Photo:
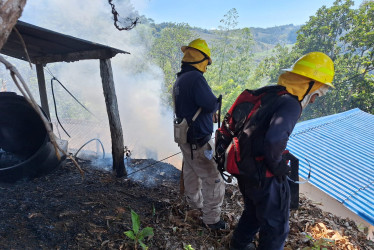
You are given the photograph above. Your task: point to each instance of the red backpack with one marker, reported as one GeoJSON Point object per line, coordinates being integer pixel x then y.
{"type": "Point", "coordinates": [239, 140]}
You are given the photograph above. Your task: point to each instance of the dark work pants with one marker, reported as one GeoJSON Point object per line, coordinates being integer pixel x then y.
{"type": "Point", "coordinates": [266, 210]}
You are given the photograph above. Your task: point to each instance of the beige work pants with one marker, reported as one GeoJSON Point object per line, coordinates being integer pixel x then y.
{"type": "Point", "coordinates": [203, 184]}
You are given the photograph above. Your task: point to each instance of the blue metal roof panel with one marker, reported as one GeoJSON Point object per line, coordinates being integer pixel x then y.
{"type": "Point", "coordinates": [340, 150]}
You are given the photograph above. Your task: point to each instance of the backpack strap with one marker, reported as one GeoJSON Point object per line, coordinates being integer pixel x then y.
{"type": "Point", "coordinates": [196, 115]}
{"type": "Point", "coordinates": [193, 119]}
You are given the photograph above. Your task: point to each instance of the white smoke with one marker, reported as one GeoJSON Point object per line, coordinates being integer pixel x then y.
{"type": "Point", "coordinates": [146, 124]}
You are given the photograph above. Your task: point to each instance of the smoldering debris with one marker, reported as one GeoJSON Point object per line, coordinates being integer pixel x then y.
{"type": "Point", "coordinates": [152, 173]}
{"type": "Point", "coordinates": [147, 172]}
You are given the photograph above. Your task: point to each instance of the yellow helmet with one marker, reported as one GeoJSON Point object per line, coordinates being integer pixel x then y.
{"type": "Point", "coordinates": [315, 65]}
{"type": "Point", "coordinates": [200, 45]}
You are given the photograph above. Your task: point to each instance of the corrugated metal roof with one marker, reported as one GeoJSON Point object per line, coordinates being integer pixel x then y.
{"type": "Point", "coordinates": [340, 150]}
{"type": "Point", "coordinates": [46, 46]}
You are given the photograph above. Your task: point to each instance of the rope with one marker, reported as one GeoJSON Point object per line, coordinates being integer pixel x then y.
{"type": "Point", "coordinates": [302, 182]}
{"type": "Point", "coordinates": [54, 78]}
{"type": "Point", "coordinates": [150, 165]}
{"type": "Point", "coordinates": [102, 146]}
{"type": "Point", "coordinates": [54, 102]}
{"type": "Point", "coordinates": [356, 192]}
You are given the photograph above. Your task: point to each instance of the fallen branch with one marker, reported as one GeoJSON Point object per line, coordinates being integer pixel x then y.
{"type": "Point", "coordinates": [30, 99]}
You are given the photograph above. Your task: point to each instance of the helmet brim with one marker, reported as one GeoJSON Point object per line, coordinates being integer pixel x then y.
{"type": "Point", "coordinates": [287, 70]}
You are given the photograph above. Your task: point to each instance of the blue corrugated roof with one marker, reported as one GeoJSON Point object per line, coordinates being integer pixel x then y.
{"type": "Point", "coordinates": [340, 149]}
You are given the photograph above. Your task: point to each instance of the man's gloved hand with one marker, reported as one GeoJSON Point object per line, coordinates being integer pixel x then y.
{"type": "Point", "coordinates": [282, 170]}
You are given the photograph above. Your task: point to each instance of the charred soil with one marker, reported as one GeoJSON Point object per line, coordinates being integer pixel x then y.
{"type": "Point", "coordinates": [64, 210]}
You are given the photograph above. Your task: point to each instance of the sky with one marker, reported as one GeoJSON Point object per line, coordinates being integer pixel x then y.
{"type": "Point", "coordinates": [252, 13]}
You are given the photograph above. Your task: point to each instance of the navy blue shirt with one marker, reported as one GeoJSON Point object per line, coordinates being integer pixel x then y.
{"type": "Point", "coordinates": [190, 92]}
{"type": "Point", "coordinates": [282, 123]}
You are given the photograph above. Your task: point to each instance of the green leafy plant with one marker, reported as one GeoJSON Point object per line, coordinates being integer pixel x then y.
{"type": "Point", "coordinates": [320, 244]}
{"type": "Point", "coordinates": [136, 234]}
{"type": "Point", "coordinates": [188, 247]}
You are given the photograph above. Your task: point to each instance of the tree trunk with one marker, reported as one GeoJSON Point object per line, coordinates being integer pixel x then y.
{"type": "Point", "coordinates": [10, 11]}
{"type": "Point", "coordinates": [113, 115]}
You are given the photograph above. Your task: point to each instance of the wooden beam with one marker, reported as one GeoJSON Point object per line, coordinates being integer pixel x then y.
{"type": "Point", "coordinates": [42, 89]}
{"type": "Point", "coordinates": [76, 56]}
{"type": "Point", "coordinates": [113, 115]}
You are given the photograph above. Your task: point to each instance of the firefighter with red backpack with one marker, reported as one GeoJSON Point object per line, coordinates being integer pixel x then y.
{"type": "Point", "coordinates": [195, 106]}
{"type": "Point", "coordinates": [260, 142]}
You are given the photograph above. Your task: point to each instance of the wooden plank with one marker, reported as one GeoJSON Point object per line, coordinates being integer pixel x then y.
{"type": "Point", "coordinates": [113, 115]}
{"type": "Point", "coordinates": [75, 56]}
{"type": "Point", "coordinates": [42, 89]}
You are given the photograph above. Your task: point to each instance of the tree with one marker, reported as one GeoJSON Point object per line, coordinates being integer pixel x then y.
{"type": "Point", "coordinates": [346, 36]}
{"type": "Point", "coordinates": [166, 53]}
{"type": "Point", "coordinates": [10, 11]}
{"type": "Point", "coordinates": [223, 47]}
{"type": "Point", "coordinates": [232, 57]}
{"type": "Point", "coordinates": [350, 45]}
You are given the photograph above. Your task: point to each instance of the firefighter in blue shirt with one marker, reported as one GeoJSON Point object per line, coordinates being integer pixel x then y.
{"type": "Point", "coordinates": [203, 184]}
{"type": "Point", "coordinates": [266, 208]}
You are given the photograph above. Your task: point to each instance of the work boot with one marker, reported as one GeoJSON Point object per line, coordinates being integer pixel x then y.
{"type": "Point", "coordinates": [250, 246]}
{"type": "Point", "coordinates": [221, 224]}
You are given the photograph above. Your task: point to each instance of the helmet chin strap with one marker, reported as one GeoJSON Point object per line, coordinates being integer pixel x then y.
{"type": "Point", "coordinates": [306, 98]}
{"type": "Point", "coordinates": [320, 92]}
{"type": "Point", "coordinates": [202, 60]}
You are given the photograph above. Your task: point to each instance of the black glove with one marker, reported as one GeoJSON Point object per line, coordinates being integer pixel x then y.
{"type": "Point", "coordinates": [281, 170]}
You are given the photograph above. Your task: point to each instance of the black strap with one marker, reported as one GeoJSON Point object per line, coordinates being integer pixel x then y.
{"type": "Point", "coordinates": [202, 60]}
{"type": "Point", "coordinates": [311, 83]}
{"type": "Point", "coordinates": [191, 151]}
{"type": "Point", "coordinates": [219, 109]}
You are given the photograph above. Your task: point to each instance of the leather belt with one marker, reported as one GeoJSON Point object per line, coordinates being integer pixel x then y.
{"type": "Point", "coordinates": [198, 143]}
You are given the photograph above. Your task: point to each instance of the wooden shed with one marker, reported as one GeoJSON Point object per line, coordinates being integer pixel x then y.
{"type": "Point", "coordinates": [46, 46]}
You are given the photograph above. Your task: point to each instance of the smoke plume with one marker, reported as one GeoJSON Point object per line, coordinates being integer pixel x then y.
{"type": "Point", "coordinates": [146, 123]}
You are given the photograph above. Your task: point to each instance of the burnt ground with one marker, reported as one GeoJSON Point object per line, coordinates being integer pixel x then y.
{"type": "Point", "coordinates": [64, 210]}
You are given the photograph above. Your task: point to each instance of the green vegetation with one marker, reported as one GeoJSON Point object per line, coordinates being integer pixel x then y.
{"type": "Point", "coordinates": [347, 36]}
{"type": "Point", "coordinates": [136, 234]}
{"type": "Point", "coordinates": [253, 57]}
{"type": "Point", "coordinates": [188, 247]}
{"type": "Point", "coordinates": [320, 244]}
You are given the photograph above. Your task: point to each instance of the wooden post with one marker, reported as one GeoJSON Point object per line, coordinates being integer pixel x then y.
{"type": "Point", "coordinates": [42, 89]}
{"type": "Point", "coordinates": [113, 115]}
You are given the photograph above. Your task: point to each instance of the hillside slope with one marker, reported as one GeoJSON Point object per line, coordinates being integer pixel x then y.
{"type": "Point", "coordinates": [264, 38]}
{"type": "Point", "coordinates": [65, 210]}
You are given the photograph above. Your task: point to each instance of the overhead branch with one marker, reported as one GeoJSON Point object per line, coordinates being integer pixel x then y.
{"type": "Point", "coordinates": [132, 21]}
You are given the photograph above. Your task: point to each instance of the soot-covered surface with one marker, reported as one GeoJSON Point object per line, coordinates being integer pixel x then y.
{"type": "Point", "coordinates": [64, 210]}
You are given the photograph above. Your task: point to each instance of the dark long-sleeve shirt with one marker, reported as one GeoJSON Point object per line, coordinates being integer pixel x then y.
{"type": "Point", "coordinates": [192, 91]}
{"type": "Point", "coordinates": [281, 125]}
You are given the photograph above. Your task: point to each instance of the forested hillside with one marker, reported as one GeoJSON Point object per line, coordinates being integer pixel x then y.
{"type": "Point", "coordinates": [264, 38]}
{"type": "Point", "coordinates": [254, 57]}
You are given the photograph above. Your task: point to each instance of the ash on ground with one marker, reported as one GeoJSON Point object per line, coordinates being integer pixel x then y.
{"type": "Point", "coordinates": [67, 210]}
